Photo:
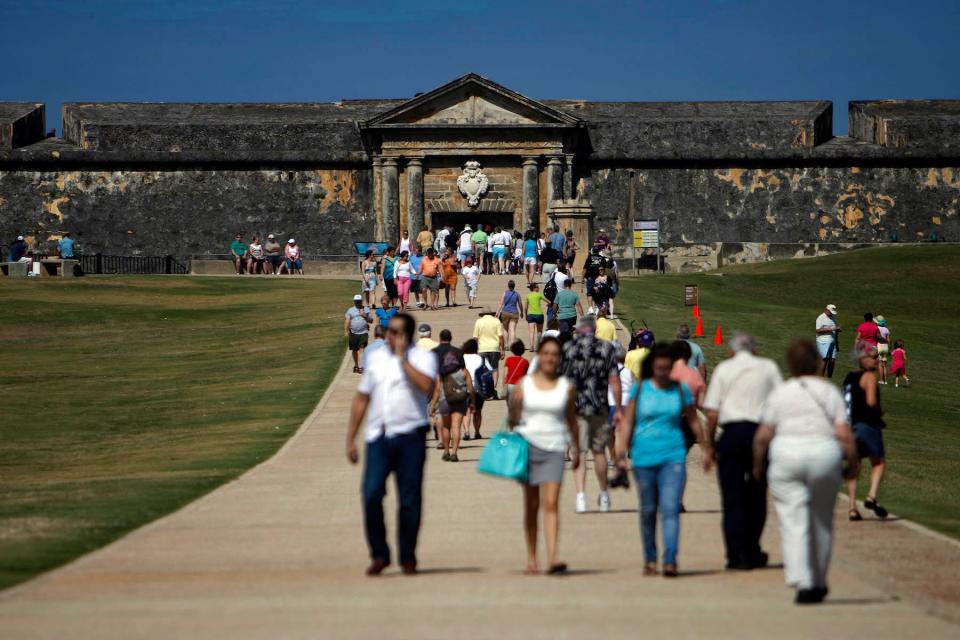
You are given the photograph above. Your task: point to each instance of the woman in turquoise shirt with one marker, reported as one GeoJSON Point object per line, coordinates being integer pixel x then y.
{"type": "Point", "coordinates": [652, 427]}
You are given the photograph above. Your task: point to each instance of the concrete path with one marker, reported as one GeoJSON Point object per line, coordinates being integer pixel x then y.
{"type": "Point", "coordinates": [280, 553]}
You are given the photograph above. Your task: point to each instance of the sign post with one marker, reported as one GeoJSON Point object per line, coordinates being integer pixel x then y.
{"type": "Point", "coordinates": [646, 235]}
{"type": "Point", "coordinates": [691, 295]}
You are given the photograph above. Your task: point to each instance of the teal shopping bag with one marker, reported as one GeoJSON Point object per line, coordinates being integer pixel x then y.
{"type": "Point", "coordinates": [506, 455]}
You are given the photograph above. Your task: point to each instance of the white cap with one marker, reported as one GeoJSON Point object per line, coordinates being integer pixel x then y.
{"type": "Point", "coordinates": [291, 241]}
{"type": "Point", "coordinates": [271, 236]}
{"type": "Point", "coordinates": [358, 298]}
{"type": "Point", "coordinates": [832, 308]}
{"type": "Point", "coordinates": [19, 237]}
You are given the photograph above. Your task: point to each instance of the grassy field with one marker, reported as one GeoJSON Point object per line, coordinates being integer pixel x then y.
{"type": "Point", "coordinates": [125, 398]}
{"type": "Point", "coordinates": [913, 287]}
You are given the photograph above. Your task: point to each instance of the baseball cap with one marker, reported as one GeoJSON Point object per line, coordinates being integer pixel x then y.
{"type": "Point", "coordinates": [271, 236]}
{"type": "Point", "coordinates": [832, 308]}
{"type": "Point", "coordinates": [881, 321]}
{"type": "Point", "coordinates": [291, 241]}
{"type": "Point", "coordinates": [358, 298]}
{"type": "Point", "coordinates": [646, 339]}
{"type": "Point", "coordinates": [424, 329]}
{"type": "Point", "coordinates": [19, 237]}
{"type": "Point", "coordinates": [587, 321]}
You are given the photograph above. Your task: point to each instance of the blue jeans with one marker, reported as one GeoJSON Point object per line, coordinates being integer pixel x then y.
{"type": "Point", "coordinates": [660, 489]}
{"type": "Point", "coordinates": [404, 456]}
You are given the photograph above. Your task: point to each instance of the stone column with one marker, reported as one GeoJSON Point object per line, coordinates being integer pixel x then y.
{"type": "Point", "coordinates": [378, 198]}
{"type": "Point", "coordinates": [568, 178]}
{"type": "Point", "coordinates": [554, 179]}
{"type": "Point", "coordinates": [414, 196]}
{"type": "Point", "coordinates": [391, 201]}
{"type": "Point", "coordinates": [531, 193]}
{"type": "Point", "coordinates": [576, 216]}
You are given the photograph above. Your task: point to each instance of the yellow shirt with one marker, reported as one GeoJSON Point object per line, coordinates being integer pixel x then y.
{"type": "Point", "coordinates": [606, 330]}
{"type": "Point", "coordinates": [635, 360]}
{"type": "Point", "coordinates": [424, 240]}
{"type": "Point", "coordinates": [427, 344]}
{"type": "Point", "coordinates": [488, 332]}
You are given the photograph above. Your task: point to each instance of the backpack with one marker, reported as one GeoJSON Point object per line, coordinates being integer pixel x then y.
{"type": "Point", "coordinates": [550, 290]}
{"type": "Point", "coordinates": [455, 387]}
{"type": "Point", "coordinates": [484, 382]}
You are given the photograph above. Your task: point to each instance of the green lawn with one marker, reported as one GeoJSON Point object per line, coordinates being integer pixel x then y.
{"type": "Point", "coordinates": [915, 288]}
{"type": "Point", "coordinates": [126, 398]}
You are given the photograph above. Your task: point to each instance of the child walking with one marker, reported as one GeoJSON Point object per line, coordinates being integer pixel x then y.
{"type": "Point", "coordinates": [898, 364]}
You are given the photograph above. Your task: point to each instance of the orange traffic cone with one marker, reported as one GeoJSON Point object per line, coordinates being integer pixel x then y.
{"type": "Point", "coordinates": [699, 331]}
{"type": "Point", "coordinates": [718, 337]}
{"type": "Point", "coordinates": [696, 311]}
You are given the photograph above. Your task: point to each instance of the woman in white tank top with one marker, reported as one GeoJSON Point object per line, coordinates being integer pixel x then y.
{"type": "Point", "coordinates": [542, 410]}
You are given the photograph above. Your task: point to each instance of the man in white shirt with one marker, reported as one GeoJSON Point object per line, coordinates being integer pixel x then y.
{"type": "Point", "coordinates": [827, 333]}
{"type": "Point", "coordinates": [465, 246]}
{"type": "Point", "coordinates": [393, 395]}
{"type": "Point", "coordinates": [738, 389]}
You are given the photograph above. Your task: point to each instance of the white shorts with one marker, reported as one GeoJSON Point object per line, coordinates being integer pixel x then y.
{"type": "Point", "coordinates": [532, 261]}
{"type": "Point", "coordinates": [471, 289]}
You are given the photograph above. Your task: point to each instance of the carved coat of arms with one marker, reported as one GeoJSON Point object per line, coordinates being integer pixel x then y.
{"type": "Point", "coordinates": [472, 183]}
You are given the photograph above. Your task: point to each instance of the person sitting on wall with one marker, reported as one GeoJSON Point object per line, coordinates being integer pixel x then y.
{"type": "Point", "coordinates": [238, 252]}
{"type": "Point", "coordinates": [274, 254]}
{"type": "Point", "coordinates": [258, 261]}
{"type": "Point", "coordinates": [17, 250]}
{"type": "Point", "coordinates": [66, 246]}
{"type": "Point", "coordinates": [294, 259]}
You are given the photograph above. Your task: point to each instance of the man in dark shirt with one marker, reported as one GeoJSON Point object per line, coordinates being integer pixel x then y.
{"type": "Point", "coordinates": [591, 269]}
{"type": "Point", "coordinates": [591, 364]}
{"type": "Point", "coordinates": [17, 250]}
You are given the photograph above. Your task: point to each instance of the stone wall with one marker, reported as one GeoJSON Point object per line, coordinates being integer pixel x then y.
{"type": "Point", "coordinates": [185, 212]}
{"type": "Point", "coordinates": [779, 205]}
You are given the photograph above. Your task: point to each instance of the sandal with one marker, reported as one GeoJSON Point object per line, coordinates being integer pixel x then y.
{"type": "Point", "coordinates": [873, 505]}
{"type": "Point", "coordinates": [558, 569]}
{"type": "Point", "coordinates": [356, 369]}
{"type": "Point", "coordinates": [855, 515]}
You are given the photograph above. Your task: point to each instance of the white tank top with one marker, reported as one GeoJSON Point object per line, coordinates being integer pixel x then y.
{"type": "Point", "coordinates": [402, 270]}
{"type": "Point", "coordinates": [543, 421]}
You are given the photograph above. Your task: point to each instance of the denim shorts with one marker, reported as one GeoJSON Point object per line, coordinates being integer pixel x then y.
{"type": "Point", "coordinates": [869, 441]}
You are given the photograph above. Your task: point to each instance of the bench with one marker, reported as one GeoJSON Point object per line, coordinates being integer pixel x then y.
{"type": "Point", "coordinates": [62, 268]}
{"type": "Point", "coordinates": [14, 269]}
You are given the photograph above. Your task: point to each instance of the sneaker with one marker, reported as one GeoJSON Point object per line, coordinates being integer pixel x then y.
{"type": "Point", "coordinates": [581, 506]}
{"type": "Point", "coordinates": [604, 501]}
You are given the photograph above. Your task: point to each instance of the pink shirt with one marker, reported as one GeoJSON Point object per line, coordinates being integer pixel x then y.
{"type": "Point", "coordinates": [868, 332]}
{"type": "Point", "coordinates": [899, 359]}
{"type": "Point", "coordinates": [690, 377]}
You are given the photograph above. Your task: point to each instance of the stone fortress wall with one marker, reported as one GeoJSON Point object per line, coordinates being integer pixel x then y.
{"type": "Point", "coordinates": [729, 181]}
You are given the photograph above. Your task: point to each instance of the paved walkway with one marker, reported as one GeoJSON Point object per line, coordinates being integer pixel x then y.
{"type": "Point", "coordinates": [280, 553]}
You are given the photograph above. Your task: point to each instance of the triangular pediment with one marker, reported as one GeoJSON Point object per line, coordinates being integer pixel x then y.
{"type": "Point", "coordinates": [472, 100]}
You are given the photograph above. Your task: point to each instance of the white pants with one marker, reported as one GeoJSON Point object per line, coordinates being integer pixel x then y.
{"type": "Point", "coordinates": [804, 477]}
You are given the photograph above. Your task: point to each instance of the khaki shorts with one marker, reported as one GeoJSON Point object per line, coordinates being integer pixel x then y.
{"type": "Point", "coordinates": [883, 352]}
{"type": "Point", "coordinates": [594, 433]}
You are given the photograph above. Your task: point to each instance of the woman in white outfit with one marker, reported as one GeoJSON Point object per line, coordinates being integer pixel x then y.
{"type": "Point", "coordinates": [543, 411]}
{"type": "Point", "coordinates": [804, 427]}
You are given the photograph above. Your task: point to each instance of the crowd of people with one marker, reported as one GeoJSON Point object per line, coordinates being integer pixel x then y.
{"type": "Point", "coordinates": [265, 257]}
{"type": "Point", "coordinates": [412, 274]}
{"type": "Point", "coordinates": [635, 410]}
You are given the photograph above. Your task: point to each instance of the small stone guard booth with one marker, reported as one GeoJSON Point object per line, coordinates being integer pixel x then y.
{"type": "Point", "coordinates": [730, 181]}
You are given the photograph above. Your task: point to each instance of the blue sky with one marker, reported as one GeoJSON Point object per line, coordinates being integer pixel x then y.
{"type": "Point", "coordinates": [56, 51]}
